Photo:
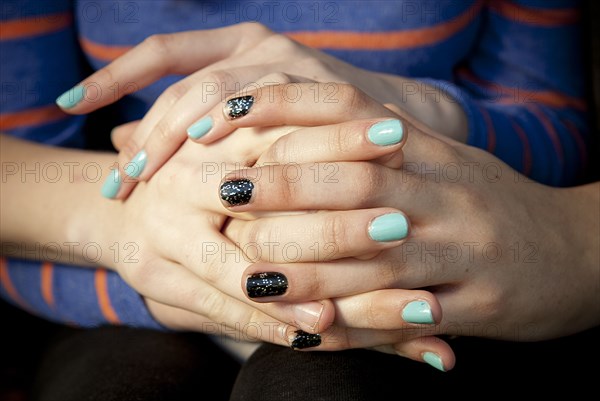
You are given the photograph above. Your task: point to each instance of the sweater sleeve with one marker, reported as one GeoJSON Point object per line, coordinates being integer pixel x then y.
{"type": "Point", "coordinates": [40, 58]}
{"type": "Point", "coordinates": [74, 295]}
{"type": "Point", "coordinates": [522, 89]}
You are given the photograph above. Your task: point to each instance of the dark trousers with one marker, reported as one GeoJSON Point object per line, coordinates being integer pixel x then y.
{"type": "Point", "coordinates": [116, 363]}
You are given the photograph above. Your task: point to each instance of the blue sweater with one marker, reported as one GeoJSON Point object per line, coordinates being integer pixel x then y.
{"type": "Point", "coordinates": [514, 66]}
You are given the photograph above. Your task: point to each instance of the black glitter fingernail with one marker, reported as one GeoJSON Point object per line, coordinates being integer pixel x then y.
{"type": "Point", "coordinates": [237, 192]}
{"type": "Point", "coordinates": [305, 340]}
{"type": "Point", "coordinates": [266, 285]}
{"type": "Point", "coordinates": [239, 106]}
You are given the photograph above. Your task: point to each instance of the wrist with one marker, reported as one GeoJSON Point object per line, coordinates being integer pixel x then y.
{"type": "Point", "coordinates": [582, 231]}
{"type": "Point", "coordinates": [94, 222]}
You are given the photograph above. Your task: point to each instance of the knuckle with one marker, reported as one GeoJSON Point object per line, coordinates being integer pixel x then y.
{"type": "Point", "coordinates": [159, 44]}
{"type": "Point", "coordinates": [106, 74]}
{"type": "Point", "coordinates": [371, 313]}
{"type": "Point", "coordinates": [310, 286]}
{"type": "Point", "coordinates": [279, 151]}
{"type": "Point", "coordinates": [222, 79]}
{"type": "Point", "coordinates": [256, 28]}
{"type": "Point", "coordinates": [352, 99]}
{"type": "Point", "coordinates": [129, 150]}
{"type": "Point", "coordinates": [335, 231]}
{"type": "Point", "coordinates": [174, 92]}
{"type": "Point", "coordinates": [339, 141]}
{"type": "Point", "coordinates": [374, 182]}
{"type": "Point", "coordinates": [212, 270]}
{"type": "Point", "coordinates": [283, 45]}
{"type": "Point", "coordinates": [277, 78]}
{"type": "Point", "coordinates": [140, 275]}
{"type": "Point", "coordinates": [213, 303]}
{"type": "Point", "coordinates": [389, 273]}
{"type": "Point", "coordinates": [165, 130]}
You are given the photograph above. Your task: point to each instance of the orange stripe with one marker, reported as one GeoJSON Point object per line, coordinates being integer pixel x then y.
{"type": "Point", "coordinates": [25, 118]}
{"type": "Point", "coordinates": [534, 16]}
{"type": "Point", "coordinates": [103, 297]}
{"type": "Point", "coordinates": [518, 95]}
{"type": "Point", "coordinates": [37, 25]}
{"type": "Point", "coordinates": [527, 163]}
{"type": "Point", "coordinates": [47, 273]}
{"type": "Point", "coordinates": [387, 40]}
{"type": "Point", "coordinates": [550, 130]}
{"type": "Point", "coordinates": [9, 286]}
{"type": "Point", "coordinates": [102, 52]}
{"type": "Point", "coordinates": [491, 131]}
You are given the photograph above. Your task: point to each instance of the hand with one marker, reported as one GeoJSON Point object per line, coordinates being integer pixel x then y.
{"type": "Point", "coordinates": [228, 61]}
{"type": "Point", "coordinates": [363, 320]}
{"type": "Point", "coordinates": [488, 243]}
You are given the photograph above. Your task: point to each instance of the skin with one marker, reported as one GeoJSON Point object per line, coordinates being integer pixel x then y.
{"type": "Point", "coordinates": [228, 60]}
{"type": "Point", "coordinates": [512, 259]}
{"type": "Point", "coordinates": [185, 286]}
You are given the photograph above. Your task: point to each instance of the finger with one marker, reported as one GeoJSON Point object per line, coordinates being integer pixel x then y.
{"type": "Point", "coordinates": [184, 320]}
{"type": "Point", "coordinates": [174, 285]}
{"type": "Point", "coordinates": [149, 149]}
{"type": "Point", "coordinates": [389, 310]}
{"type": "Point", "coordinates": [318, 186]}
{"type": "Point", "coordinates": [219, 264]}
{"type": "Point", "coordinates": [303, 104]}
{"type": "Point", "coordinates": [320, 236]}
{"type": "Point", "coordinates": [431, 350]}
{"type": "Point", "coordinates": [156, 57]}
{"type": "Point", "coordinates": [348, 141]}
{"type": "Point", "coordinates": [122, 133]}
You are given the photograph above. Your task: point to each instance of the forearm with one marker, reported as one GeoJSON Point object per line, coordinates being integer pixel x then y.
{"type": "Point", "coordinates": [51, 205]}
{"type": "Point", "coordinates": [584, 227]}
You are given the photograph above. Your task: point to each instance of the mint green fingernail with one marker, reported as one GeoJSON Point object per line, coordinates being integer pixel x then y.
{"type": "Point", "coordinates": [71, 97]}
{"type": "Point", "coordinates": [112, 184]}
{"type": "Point", "coordinates": [135, 167]}
{"type": "Point", "coordinates": [386, 133]}
{"type": "Point", "coordinates": [200, 128]}
{"type": "Point", "coordinates": [418, 312]}
{"type": "Point", "coordinates": [434, 360]}
{"type": "Point", "coordinates": [389, 227]}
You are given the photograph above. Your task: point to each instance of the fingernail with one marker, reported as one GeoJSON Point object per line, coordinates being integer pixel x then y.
{"type": "Point", "coordinates": [309, 314]}
{"type": "Point", "coordinates": [434, 360]}
{"type": "Point", "coordinates": [239, 106]}
{"type": "Point", "coordinates": [71, 97]}
{"type": "Point", "coordinates": [389, 227]}
{"type": "Point", "coordinates": [112, 184]}
{"type": "Point", "coordinates": [417, 312]}
{"type": "Point", "coordinates": [200, 127]}
{"type": "Point", "coordinates": [135, 167]}
{"type": "Point", "coordinates": [305, 340]}
{"type": "Point", "coordinates": [269, 284]}
{"type": "Point", "coordinates": [237, 192]}
{"type": "Point", "coordinates": [386, 133]}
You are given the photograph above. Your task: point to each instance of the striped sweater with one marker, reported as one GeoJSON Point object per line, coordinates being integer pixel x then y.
{"type": "Point", "coordinates": [515, 67]}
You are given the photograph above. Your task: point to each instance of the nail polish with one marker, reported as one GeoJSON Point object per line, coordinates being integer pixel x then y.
{"type": "Point", "coordinates": [386, 133]}
{"type": "Point", "coordinates": [434, 360]}
{"type": "Point", "coordinates": [111, 186]}
{"type": "Point", "coordinates": [305, 340]}
{"type": "Point", "coordinates": [135, 167]}
{"type": "Point", "coordinates": [71, 97]}
{"type": "Point", "coordinates": [389, 227]}
{"type": "Point", "coordinates": [200, 127]}
{"type": "Point", "coordinates": [239, 106]}
{"type": "Point", "coordinates": [267, 284]}
{"type": "Point", "coordinates": [237, 192]}
{"type": "Point", "coordinates": [417, 312]}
